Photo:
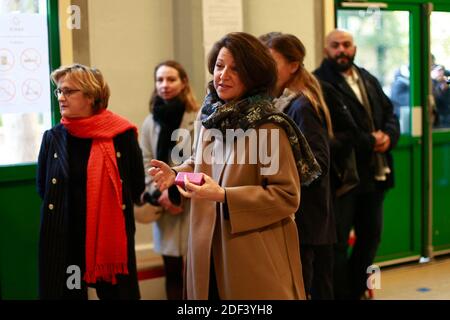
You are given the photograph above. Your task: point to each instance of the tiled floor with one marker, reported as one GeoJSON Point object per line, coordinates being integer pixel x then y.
{"type": "Point", "coordinates": [414, 281]}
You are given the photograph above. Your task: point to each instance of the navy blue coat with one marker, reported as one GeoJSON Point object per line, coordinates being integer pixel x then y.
{"type": "Point", "coordinates": [54, 182]}
{"type": "Point", "coordinates": [315, 218]}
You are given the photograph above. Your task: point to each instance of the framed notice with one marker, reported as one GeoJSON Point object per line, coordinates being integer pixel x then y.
{"type": "Point", "coordinates": [219, 18]}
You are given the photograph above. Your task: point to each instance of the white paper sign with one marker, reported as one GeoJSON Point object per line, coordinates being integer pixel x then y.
{"type": "Point", "coordinates": [24, 63]}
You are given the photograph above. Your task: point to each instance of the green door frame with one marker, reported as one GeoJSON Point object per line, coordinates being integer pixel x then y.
{"type": "Point", "coordinates": [439, 139]}
{"type": "Point", "coordinates": [20, 205]}
{"type": "Point", "coordinates": [421, 145]}
{"type": "Point", "coordinates": [421, 58]}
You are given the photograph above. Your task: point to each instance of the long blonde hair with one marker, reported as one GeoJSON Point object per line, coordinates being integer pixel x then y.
{"type": "Point", "coordinates": [293, 50]}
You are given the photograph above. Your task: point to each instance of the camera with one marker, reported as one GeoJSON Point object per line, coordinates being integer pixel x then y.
{"type": "Point", "coordinates": [152, 198]}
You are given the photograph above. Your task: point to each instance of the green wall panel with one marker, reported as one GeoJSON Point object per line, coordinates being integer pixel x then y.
{"type": "Point", "coordinates": [19, 231]}
{"type": "Point", "coordinates": [441, 195]}
{"type": "Point", "coordinates": [401, 237]}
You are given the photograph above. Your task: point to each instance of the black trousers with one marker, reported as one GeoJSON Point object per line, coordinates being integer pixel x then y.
{"type": "Point", "coordinates": [173, 269]}
{"type": "Point", "coordinates": [317, 267]}
{"type": "Point", "coordinates": [213, 294]}
{"type": "Point", "coordinates": [363, 212]}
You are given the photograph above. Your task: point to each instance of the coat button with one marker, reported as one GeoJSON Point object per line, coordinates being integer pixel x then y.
{"type": "Point", "coordinates": [124, 207]}
{"type": "Point", "coordinates": [118, 154]}
{"type": "Point", "coordinates": [51, 206]}
{"type": "Point", "coordinates": [54, 181]}
{"type": "Point", "coordinates": [55, 155]}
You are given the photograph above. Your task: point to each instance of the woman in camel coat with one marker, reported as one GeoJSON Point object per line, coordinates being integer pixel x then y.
{"type": "Point", "coordinates": [243, 242]}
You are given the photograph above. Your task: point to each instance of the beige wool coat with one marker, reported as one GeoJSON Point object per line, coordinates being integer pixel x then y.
{"type": "Point", "coordinates": [170, 232]}
{"type": "Point", "coordinates": [254, 243]}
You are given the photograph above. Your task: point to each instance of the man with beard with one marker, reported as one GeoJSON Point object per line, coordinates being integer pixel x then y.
{"type": "Point", "coordinates": [379, 130]}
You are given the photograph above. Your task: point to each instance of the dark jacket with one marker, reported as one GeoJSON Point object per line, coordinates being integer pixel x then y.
{"type": "Point", "coordinates": [342, 144]}
{"type": "Point", "coordinates": [315, 219]}
{"type": "Point", "coordinates": [56, 178]}
{"type": "Point", "coordinates": [383, 117]}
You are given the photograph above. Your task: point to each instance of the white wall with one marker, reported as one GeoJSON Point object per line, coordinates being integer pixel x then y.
{"type": "Point", "coordinates": [287, 16]}
{"type": "Point", "coordinates": [188, 43]}
{"type": "Point", "coordinates": [127, 39]}
{"type": "Point", "coordinates": [65, 33]}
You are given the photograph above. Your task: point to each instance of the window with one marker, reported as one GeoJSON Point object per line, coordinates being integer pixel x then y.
{"type": "Point", "coordinates": [25, 105]}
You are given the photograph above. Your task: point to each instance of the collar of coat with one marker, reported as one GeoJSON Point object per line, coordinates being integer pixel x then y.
{"type": "Point", "coordinates": [252, 112]}
{"type": "Point", "coordinates": [285, 99]}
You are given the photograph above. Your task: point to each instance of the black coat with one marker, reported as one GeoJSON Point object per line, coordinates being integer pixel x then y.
{"type": "Point", "coordinates": [61, 180]}
{"type": "Point", "coordinates": [342, 144]}
{"type": "Point", "coordinates": [383, 117]}
{"type": "Point", "coordinates": [315, 219]}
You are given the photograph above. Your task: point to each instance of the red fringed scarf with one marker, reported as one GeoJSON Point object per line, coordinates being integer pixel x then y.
{"type": "Point", "coordinates": [106, 240]}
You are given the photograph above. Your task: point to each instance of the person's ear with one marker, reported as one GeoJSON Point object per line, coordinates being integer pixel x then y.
{"type": "Point", "coordinates": [184, 83]}
{"type": "Point", "coordinates": [294, 66]}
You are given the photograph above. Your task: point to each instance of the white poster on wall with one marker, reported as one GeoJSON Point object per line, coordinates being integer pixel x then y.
{"type": "Point", "coordinates": [219, 18]}
{"type": "Point", "coordinates": [24, 63]}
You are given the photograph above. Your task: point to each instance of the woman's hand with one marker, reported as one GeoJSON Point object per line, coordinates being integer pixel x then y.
{"type": "Point", "coordinates": [163, 175]}
{"type": "Point", "coordinates": [210, 190]}
{"type": "Point", "coordinates": [165, 202]}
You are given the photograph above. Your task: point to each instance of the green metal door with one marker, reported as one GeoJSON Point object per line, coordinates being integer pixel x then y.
{"type": "Point", "coordinates": [440, 71]}
{"type": "Point", "coordinates": [387, 40]}
{"type": "Point", "coordinates": [30, 49]}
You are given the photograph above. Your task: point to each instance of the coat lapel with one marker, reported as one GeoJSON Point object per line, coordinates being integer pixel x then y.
{"type": "Point", "coordinates": [347, 91]}
{"type": "Point", "coordinates": [341, 84]}
{"type": "Point", "coordinates": [224, 151]}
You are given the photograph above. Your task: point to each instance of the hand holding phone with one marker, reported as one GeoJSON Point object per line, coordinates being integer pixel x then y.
{"type": "Point", "coordinates": [201, 187]}
{"type": "Point", "coordinates": [193, 177]}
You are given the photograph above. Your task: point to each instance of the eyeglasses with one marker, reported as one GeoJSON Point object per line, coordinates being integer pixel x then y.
{"type": "Point", "coordinates": [66, 92]}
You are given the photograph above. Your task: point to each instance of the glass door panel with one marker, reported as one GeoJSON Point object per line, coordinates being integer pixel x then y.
{"type": "Point", "coordinates": [385, 45]}
{"type": "Point", "coordinates": [440, 68]}
{"type": "Point", "coordinates": [25, 105]}
{"type": "Point", "coordinates": [382, 40]}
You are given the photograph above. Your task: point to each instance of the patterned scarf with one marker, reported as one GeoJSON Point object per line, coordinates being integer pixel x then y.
{"type": "Point", "coordinates": [252, 112]}
{"type": "Point", "coordinates": [106, 240]}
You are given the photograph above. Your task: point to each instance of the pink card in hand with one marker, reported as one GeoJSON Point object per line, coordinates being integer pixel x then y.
{"type": "Point", "coordinates": [193, 177]}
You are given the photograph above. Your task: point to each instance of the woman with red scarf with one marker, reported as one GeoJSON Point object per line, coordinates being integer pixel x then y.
{"type": "Point", "coordinates": [90, 173]}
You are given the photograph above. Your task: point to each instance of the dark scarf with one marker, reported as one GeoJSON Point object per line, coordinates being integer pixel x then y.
{"type": "Point", "coordinates": [168, 114]}
{"type": "Point", "coordinates": [252, 112]}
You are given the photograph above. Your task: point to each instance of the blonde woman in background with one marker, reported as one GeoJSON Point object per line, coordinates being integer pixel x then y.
{"type": "Point", "coordinates": [172, 107]}
{"type": "Point", "coordinates": [299, 95]}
